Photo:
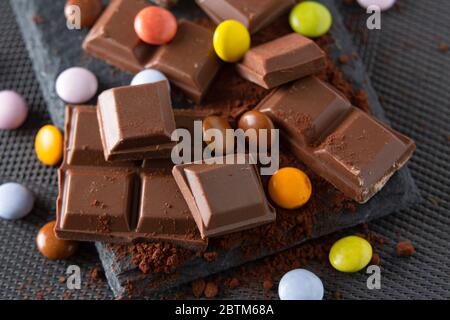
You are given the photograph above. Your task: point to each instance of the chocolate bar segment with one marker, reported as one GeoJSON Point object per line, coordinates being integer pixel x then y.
{"type": "Point", "coordinates": [189, 60]}
{"type": "Point", "coordinates": [114, 40]}
{"type": "Point", "coordinates": [254, 14]}
{"type": "Point", "coordinates": [224, 198]}
{"type": "Point", "coordinates": [282, 60]}
{"type": "Point", "coordinates": [120, 202]}
{"type": "Point", "coordinates": [342, 144]}
{"type": "Point", "coordinates": [136, 122]}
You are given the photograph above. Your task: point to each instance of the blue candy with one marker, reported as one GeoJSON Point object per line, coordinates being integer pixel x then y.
{"type": "Point", "coordinates": [149, 76]}
{"type": "Point", "coordinates": [16, 201]}
{"type": "Point", "coordinates": [300, 284]}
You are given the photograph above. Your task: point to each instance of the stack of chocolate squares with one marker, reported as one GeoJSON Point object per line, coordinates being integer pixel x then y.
{"type": "Point", "coordinates": [118, 182]}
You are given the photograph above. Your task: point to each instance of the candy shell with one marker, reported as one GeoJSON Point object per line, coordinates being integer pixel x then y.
{"type": "Point", "coordinates": [382, 4]}
{"type": "Point", "coordinates": [48, 145]}
{"type": "Point", "coordinates": [76, 85]}
{"type": "Point", "coordinates": [155, 25]}
{"type": "Point", "coordinates": [300, 284]}
{"type": "Point", "coordinates": [290, 188]}
{"type": "Point", "coordinates": [52, 247]}
{"type": "Point", "coordinates": [149, 76]}
{"type": "Point", "coordinates": [350, 254]}
{"type": "Point", "coordinates": [258, 121]}
{"type": "Point", "coordinates": [16, 201]}
{"type": "Point", "coordinates": [231, 40]}
{"type": "Point", "coordinates": [13, 110]}
{"type": "Point", "coordinates": [310, 19]}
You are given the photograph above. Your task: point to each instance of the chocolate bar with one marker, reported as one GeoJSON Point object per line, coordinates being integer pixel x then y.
{"type": "Point", "coordinates": [282, 60]}
{"type": "Point", "coordinates": [254, 14]}
{"type": "Point", "coordinates": [224, 198]}
{"type": "Point", "coordinates": [122, 201]}
{"type": "Point", "coordinates": [136, 122]}
{"type": "Point", "coordinates": [189, 60]}
{"type": "Point", "coordinates": [342, 144]}
{"type": "Point", "coordinates": [114, 40]}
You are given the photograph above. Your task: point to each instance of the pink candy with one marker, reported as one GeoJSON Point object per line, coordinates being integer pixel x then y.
{"type": "Point", "coordinates": [382, 4]}
{"type": "Point", "coordinates": [13, 110]}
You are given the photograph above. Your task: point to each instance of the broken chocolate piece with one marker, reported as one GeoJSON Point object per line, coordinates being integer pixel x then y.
{"type": "Point", "coordinates": [282, 60]}
{"type": "Point", "coordinates": [224, 198]}
{"type": "Point", "coordinates": [189, 60]}
{"type": "Point", "coordinates": [254, 14]}
{"type": "Point", "coordinates": [114, 40]}
{"type": "Point", "coordinates": [344, 145]}
{"type": "Point", "coordinates": [136, 122]}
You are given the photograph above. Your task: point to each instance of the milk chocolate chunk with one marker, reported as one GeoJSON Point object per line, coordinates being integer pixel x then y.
{"type": "Point", "coordinates": [254, 14]}
{"type": "Point", "coordinates": [224, 198]}
{"type": "Point", "coordinates": [114, 40]}
{"type": "Point", "coordinates": [136, 122]}
{"type": "Point", "coordinates": [189, 60]}
{"type": "Point", "coordinates": [282, 60]}
{"type": "Point", "coordinates": [349, 148]}
{"type": "Point", "coordinates": [122, 201]}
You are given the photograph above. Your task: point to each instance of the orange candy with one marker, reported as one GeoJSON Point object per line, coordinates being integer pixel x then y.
{"type": "Point", "coordinates": [290, 188]}
{"type": "Point", "coordinates": [155, 25]}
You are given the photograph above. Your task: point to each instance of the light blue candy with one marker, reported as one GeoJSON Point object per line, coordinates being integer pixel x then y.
{"type": "Point", "coordinates": [16, 201]}
{"type": "Point", "coordinates": [300, 284]}
{"type": "Point", "coordinates": [149, 76]}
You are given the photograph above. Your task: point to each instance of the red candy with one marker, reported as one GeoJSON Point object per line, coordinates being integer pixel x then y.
{"type": "Point", "coordinates": [155, 25]}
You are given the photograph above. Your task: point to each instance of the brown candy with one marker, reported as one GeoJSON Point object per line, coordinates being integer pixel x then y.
{"type": "Point", "coordinates": [52, 247]}
{"type": "Point", "coordinates": [90, 10]}
{"type": "Point", "coordinates": [219, 123]}
{"type": "Point", "coordinates": [257, 120]}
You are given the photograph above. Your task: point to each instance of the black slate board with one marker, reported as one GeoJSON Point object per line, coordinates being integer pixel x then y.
{"type": "Point", "coordinates": [54, 48]}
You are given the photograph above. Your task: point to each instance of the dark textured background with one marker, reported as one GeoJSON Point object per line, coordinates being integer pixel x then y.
{"type": "Point", "coordinates": [409, 73]}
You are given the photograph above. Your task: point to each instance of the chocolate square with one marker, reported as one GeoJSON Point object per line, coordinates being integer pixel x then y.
{"type": "Point", "coordinates": [254, 14]}
{"type": "Point", "coordinates": [224, 198]}
{"type": "Point", "coordinates": [135, 120]}
{"type": "Point", "coordinates": [189, 60]}
{"type": "Point", "coordinates": [98, 201]}
{"type": "Point", "coordinates": [163, 209]}
{"type": "Point", "coordinates": [114, 40]}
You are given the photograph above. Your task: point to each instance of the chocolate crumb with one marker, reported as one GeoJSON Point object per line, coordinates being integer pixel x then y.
{"type": "Point", "coordinates": [234, 283]}
{"type": "Point", "coordinates": [337, 295]}
{"type": "Point", "coordinates": [267, 284]}
{"type": "Point", "coordinates": [443, 47]}
{"type": "Point", "coordinates": [97, 274]}
{"type": "Point", "coordinates": [405, 249]}
{"type": "Point", "coordinates": [37, 19]}
{"type": "Point", "coordinates": [198, 287]}
{"type": "Point", "coordinates": [344, 59]}
{"type": "Point", "coordinates": [376, 260]}
{"type": "Point", "coordinates": [62, 279]}
{"type": "Point", "coordinates": [210, 256]}
{"type": "Point", "coordinates": [211, 290]}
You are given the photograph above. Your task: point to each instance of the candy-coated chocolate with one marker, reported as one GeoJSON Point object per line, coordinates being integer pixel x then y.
{"type": "Point", "coordinates": [52, 247]}
{"type": "Point", "coordinates": [350, 254]}
{"type": "Point", "coordinates": [300, 284]}
{"type": "Point", "coordinates": [149, 76]}
{"type": "Point", "coordinates": [48, 145]}
{"type": "Point", "coordinates": [231, 40]}
{"type": "Point", "coordinates": [290, 188]}
{"type": "Point", "coordinates": [155, 25]}
{"type": "Point", "coordinates": [310, 19]}
{"type": "Point", "coordinates": [259, 121]}
{"type": "Point", "coordinates": [382, 4]}
{"type": "Point", "coordinates": [219, 123]}
{"type": "Point", "coordinates": [13, 110]}
{"type": "Point", "coordinates": [90, 10]}
{"type": "Point", "coordinates": [76, 85]}
{"type": "Point", "coordinates": [16, 201]}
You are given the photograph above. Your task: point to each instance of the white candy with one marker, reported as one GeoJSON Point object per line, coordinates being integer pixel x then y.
{"type": "Point", "coordinates": [149, 76]}
{"type": "Point", "coordinates": [300, 284]}
{"type": "Point", "coordinates": [16, 201]}
{"type": "Point", "coordinates": [76, 85]}
{"type": "Point", "coordinates": [383, 4]}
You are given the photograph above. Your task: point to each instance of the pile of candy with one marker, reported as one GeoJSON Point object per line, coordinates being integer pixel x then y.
{"type": "Point", "coordinates": [289, 188]}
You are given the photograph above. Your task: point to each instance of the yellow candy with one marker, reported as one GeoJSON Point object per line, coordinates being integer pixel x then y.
{"type": "Point", "coordinates": [350, 254]}
{"type": "Point", "coordinates": [231, 40]}
{"type": "Point", "coordinates": [49, 145]}
{"type": "Point", "coordinates": [290, 188]}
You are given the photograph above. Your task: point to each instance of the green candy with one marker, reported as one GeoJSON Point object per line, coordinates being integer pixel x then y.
{"type": "Point", "coordinates": [310, 19]}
